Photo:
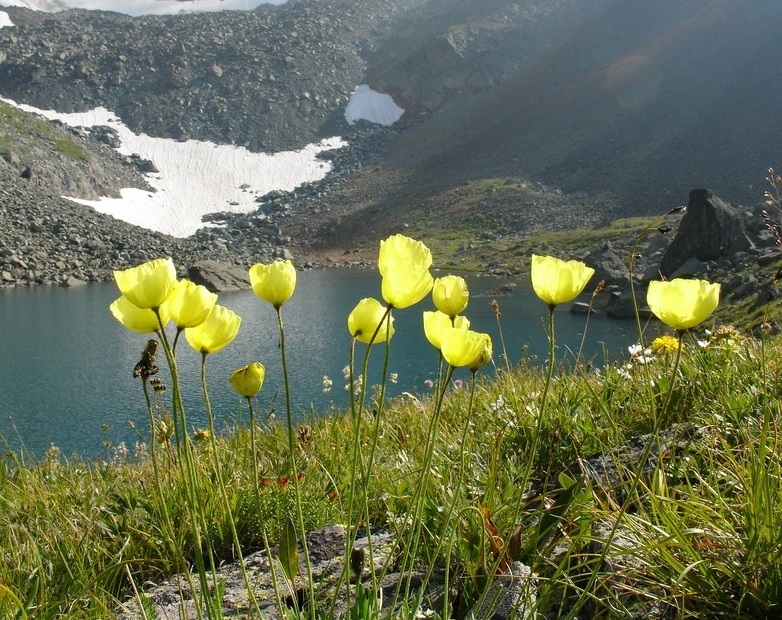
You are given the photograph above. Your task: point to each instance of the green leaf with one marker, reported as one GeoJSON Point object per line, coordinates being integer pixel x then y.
{"type": "Point", "coordinates": [289, 550]}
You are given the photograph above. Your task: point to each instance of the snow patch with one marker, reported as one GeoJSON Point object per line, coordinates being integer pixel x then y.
{"type": "Point", "coordinates": [195, 178]}
{"type": "Point", "coordinates": [369, 105]}
{"type": "Point", "coordinates": [5, 20]}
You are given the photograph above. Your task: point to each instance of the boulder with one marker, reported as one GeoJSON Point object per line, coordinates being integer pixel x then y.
{"type": "Point", "coordinates": [620, 304]}
{"type": "Point", "coordinates": [608, 266]}
{"type": "Point", "coordinates": [710, 229]}
{"type": "Point", "coordinates": [219, 277]}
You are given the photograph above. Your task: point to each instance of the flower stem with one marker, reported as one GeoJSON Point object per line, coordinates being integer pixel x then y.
{"type": "Point", "coordinates": [187, 469]}
{"type": "Point", "coordinates": [221, 486]}
{"type": "Point", "coordinates": [294, 469]}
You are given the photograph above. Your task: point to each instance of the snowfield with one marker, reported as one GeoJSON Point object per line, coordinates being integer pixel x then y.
{"type": "Point", "coordinates": [195, 178]}
{"type": "Point", "coordinates": [372, 106]}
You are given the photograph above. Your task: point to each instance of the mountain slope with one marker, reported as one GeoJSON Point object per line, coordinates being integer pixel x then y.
{"type": "Point", "coordinates": [620, 106]}
{"type": "Point", "coordinates": [643, 104]}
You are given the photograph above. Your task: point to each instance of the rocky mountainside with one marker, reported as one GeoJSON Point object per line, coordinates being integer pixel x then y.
{"type": "Point", "coordinates": [604, 111]}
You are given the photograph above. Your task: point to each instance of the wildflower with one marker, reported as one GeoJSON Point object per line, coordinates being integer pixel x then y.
{"type": "Point", "coordinates": [142, 320]}
{"type": "Point", "coordinates": [346, 372]}
{"type": "Point", "coordinates": [458, 383]}
{"type": "Point", "coordinates": [640, 355]}
{"type": "Point", "coordinates": [634, 349]}
{"type": "Point", "coordinates": [393, 377]}
{"type": "Point", "coordinates": [429, 383]}
{"type": "Point", "coordinates": [664, 344]}
{"type": "Point", "coordinates": [326, 384]}
{"type": "Point", "coordinates": [437, 323]}
{"type": "Point", "coordinates": [358, 382]}
{"type": "Point", "coordinates": [201, 434]}
{"type": "Point", "coordinates": [147, 285]}
{"type": "Point", "coordinates": [486, 354]}
{"type": "Point", "coordinates": [462, 347]}
{"type": "Point", "coordinates": [189, 304]}
{"type": "Point", "coordinates": [219, 329]}
{"type": "Point", "coordinates": [364, 320]}
{"type": "Point", "coordinates": [274, 283]}
{"type": "Point", "coordinates": [404, 264]}
{"type": "Point", "coordinates": [248, 380]}
{"type": "Point", "coordinates": [682, 304]}
{"type": "Point", "coordinates": [556, 281]}
{"type": "Point", "coordinates": [450, 295]}
{"type": "Point", "coordinates": [399, 247]}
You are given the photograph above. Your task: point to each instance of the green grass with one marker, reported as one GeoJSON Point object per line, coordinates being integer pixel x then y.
{"type": "Point", "coordinates": [699, 535]}
{"type": "Point", "coordinates": [16, 122]}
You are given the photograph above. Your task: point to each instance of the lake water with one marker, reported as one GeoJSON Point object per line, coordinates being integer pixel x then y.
{"type": "Point", "coordinates": [66, 364]}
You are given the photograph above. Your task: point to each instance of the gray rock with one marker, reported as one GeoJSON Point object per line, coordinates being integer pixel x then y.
{"type": "Point", "coordinates": [710, 229]}
{"type": "Point", "coordinates": [219, 277]}
{"type": "Point", "coordinates": [620, 305]}
{"type": "Point", "coordinates": [581, 307]}
{"type": "Point", "coordinates": [512, 595]}
{"type": "Point", "coordinates": [692, 268]}
{"type": "Point", "coordinates": [73, 282]}
{"type": "Point", "coordinates": [608, 266]}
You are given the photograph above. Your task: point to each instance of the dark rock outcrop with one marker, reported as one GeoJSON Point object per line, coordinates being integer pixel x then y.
{"type": "Point", "coordinates": [711, 229]}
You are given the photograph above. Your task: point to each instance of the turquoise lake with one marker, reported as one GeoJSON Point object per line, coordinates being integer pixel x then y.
{"type": "Point", "coordinates": [66, 364]}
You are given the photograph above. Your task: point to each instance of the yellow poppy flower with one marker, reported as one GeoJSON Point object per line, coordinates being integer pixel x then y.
{"type": "Point", "coordinates": [399, 247]}
{"type": "Point", "coordinates": [462, 347]}
{"type": "Point", "coordinates": [404, 265]}
{"type": "Point", "coordinates": [450, 295]}
{"type": "Point", "coordinates": [405, 283]}
{"type": "Point", "coordinates": [681, 303]}
{"type": "Point", "coordinates": [437, 323]}
{"type": "Point", "coordinates": [147, 285]}
{"type": "Point", "coordinates": [556, 281]}
{"type": "Point", "coordinates": [142, 320]}
{"type": "Point", "coordinates": [217, 331]}
{"type": "Point", "coordinates": [189, 304]}
{"type": "Point", "coordinates": [248, 380]}
{"type": "Point", "coordinates": [274, 283]}
{"type": "Point", "coordinates": [485, 356]}
{"type": "Point", "coordinates": [364, 319]}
